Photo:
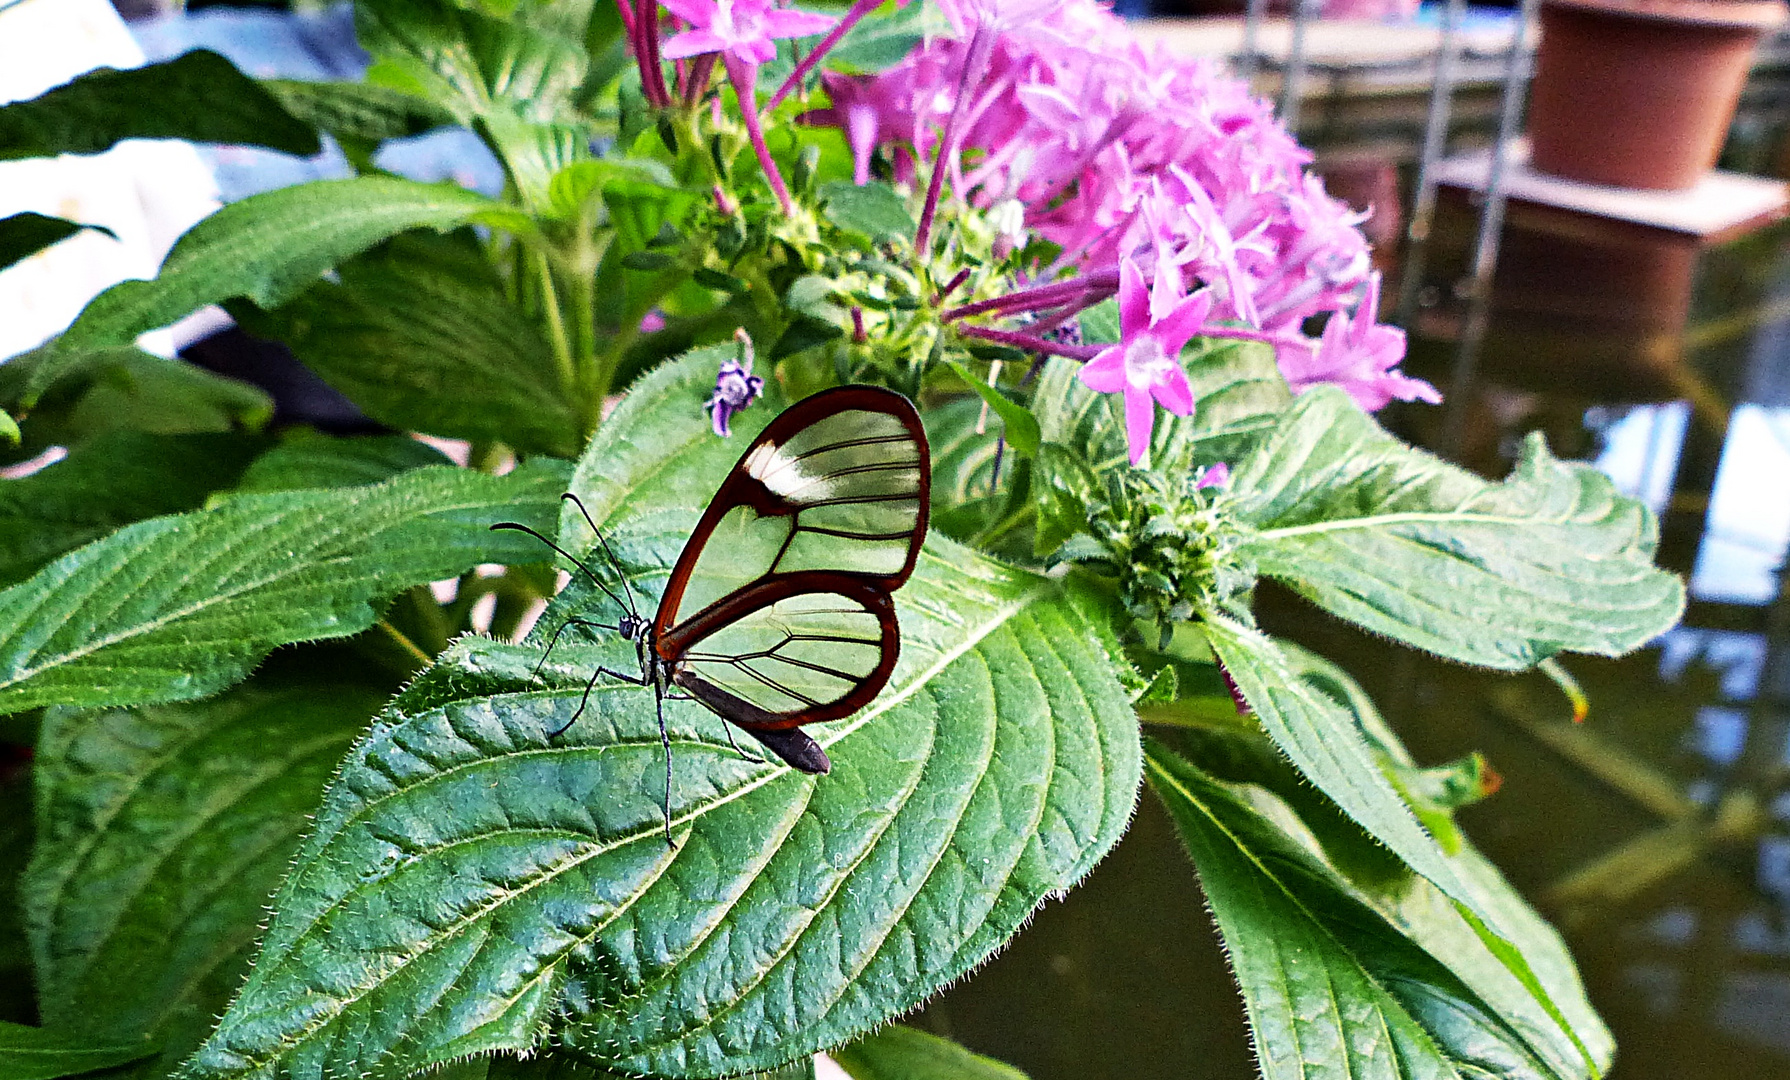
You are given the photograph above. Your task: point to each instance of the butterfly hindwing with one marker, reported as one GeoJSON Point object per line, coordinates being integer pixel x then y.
{"type": "Point", "coordinates": [791, 652]}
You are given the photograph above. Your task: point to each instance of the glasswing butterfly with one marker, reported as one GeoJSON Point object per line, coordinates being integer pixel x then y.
{"type": "Point", "coordinates": [778, 612]}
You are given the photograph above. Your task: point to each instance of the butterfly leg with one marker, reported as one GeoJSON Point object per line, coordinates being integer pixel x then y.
{"type": "Point", "coordinates": [753, 758]}
{"type": "Point", "coordinates": [554, 640]}
{"type": "Point", "coordinates": [585, 700]}
{"type": "Point", "coordinates": [665, 741]}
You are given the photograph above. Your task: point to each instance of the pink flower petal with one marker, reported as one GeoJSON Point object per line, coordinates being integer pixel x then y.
{"type": "Point", "coordinates": [691, 43]}
{"type": "Point", "coordinates": [1140, 420]}
{"type": "Point", "coordinates": [1174, 393]}
{"type": "Point", "coordinates": [699, 13]}
{"type": "Point", "coordinates": [785, 22]}
{"type": "Point", "coordinates": [1182, 323]}
{"type": "Point", "coordinates": [1105, 374]}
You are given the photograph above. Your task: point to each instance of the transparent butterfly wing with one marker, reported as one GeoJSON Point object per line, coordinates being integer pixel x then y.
{"type": "Point", "coordinates": [837, 484]}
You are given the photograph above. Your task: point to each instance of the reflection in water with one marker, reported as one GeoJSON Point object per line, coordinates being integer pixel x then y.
{"type": "Point", "coordinates": [1748, 527]}
{"type": "Point", "coordinates": [1656, 834]}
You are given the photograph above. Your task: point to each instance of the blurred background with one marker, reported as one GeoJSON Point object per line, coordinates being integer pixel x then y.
{"type": "Point", "coordinates": [1641, 320]}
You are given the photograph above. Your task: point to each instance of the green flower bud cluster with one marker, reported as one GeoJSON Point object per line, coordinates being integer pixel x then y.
{"type": "Point", "coordinates": [1170, 543]}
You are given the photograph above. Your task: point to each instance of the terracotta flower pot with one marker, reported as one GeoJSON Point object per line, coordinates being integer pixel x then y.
{"type": "Point", "coordinates": [1639, 93]}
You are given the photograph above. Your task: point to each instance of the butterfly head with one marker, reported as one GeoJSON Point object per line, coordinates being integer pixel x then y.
{"type": "Point", "coordinates": [632, 627]}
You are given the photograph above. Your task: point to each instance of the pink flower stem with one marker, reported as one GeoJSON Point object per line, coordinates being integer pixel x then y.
{"type": "Point", "coordinates": [701, 69]}
{"type": "Point", "coordinates": [1031, 342]}
{"type": "Point", "coordinates": [627, 18]}
{"type": "Point", "coordinates": [951, 286]}
{"type": "Point", "coordinates": [975, 66]}
{"type": "Point", "coordinates": [744, 76]}
{"type": "Point", "coordinates": [1043, 296]}
{"type": "Point", "coordinates": [646, 53]}
{"type": "Point", "coordinates": [859, 9]}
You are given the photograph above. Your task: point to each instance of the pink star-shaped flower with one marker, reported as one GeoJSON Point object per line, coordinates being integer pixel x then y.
{"type": "Point", "coordinates": [744, 29]}
{"type": "Point", "coordinates": [1358, 355]}
{"type": "Point", "coordinates": [1154, 325]}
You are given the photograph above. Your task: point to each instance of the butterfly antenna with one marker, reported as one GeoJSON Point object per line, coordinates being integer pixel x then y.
{"type": "Point", "coordinates": [607, 550]}
{"type": "Point", "coordinates": [516, 527]}
{"type": "Point", "coordinates": [665, 741]}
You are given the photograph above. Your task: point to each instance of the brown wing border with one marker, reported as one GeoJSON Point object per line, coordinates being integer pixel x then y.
{"type": "Point", "coordinates": [762, 594]}
{"type": "Point", "coordinates": [740, 489]}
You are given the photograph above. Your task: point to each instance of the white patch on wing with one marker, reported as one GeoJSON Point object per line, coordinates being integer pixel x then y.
{"type": "Point", "coordinates": [783, 475]}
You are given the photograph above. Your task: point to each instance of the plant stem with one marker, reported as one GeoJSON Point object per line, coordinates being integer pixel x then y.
{"type": "Point", "coordinates": [556, 326]}
{"type": "Point", "coordinates": [973, 69]}
{"type": "Point", "coordinates": [1031, 342]}
{"type": "Point", "coordinates": [859, 9]}
{"type": "Point", "coordinates": [744, 76]}
{"type": "Point", "coordinates": [405, 643]}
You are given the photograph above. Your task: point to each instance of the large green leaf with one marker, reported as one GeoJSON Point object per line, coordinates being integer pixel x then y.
{"type": "Point", "coordinates": [33, 1053]}
{"type": "Point", "coordinates": [420, 335]}
{"type": "Point", "coordinates": [74, 396]}
{"type": "Point", "coordinates": [308, 459]}
{"type": "Point", "coordinates": [24, 235]}
{"type": "Point", "coordinates": [473, 884]}
{"type": "Point", "coordinates": [162, 833]}
{"type": "Point", "coordinates": [472, 64]}
{"type": "Point", "coordinates": [179, 607]}
{"type": "Point", "coordinates": [358, 110]}
{"type": "Point", "coordinates": [113, 480]}
{"type": "Point", "coordinates": [269, 248]}
{"type": "Point", "coordinates": [899, 1052]}
{"type": "Point", "coordinates": [199, 96]}
{"type": "Point", "coordinates": [1332, 987]}
{"type": "Point", "coordinates": [1409, 546]}
{"type": "Point", "coordinates": [1322, 740]}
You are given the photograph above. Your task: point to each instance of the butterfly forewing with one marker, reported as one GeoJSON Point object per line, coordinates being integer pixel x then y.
{"type": "Point", "coordinates": [836, 484]}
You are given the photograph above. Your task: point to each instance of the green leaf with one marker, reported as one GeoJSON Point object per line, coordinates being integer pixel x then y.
{"type": "Point", "coordinates": [473, 885]}
{"type": "Point", "coordinates": [1238, 394]}
{"type": "Point", "coordinates": [1324, 743]}
{"type": "Point", "coordinates": [24, 235]}
{"type": "Point", "coordinates": [575, 186]}
{"type": "Point", "coordinates": [1330, 984]}
{"type": "Point", "coordinates": [899, 1052]}
{"type": "Point", "coordinates": [358, 110]}
{"type": "Point", "coordinates": [269, 248]}
{"type": "Point", "coordinates": [198, 96]}
{"type": "Point", "coordinates": [34, 1053]}
{"type": "Point", "coordinates": [311, 460]}
{"type": "Point", "coordinates": [179, 607]}
{"type": "Point", "coordinates": [115, 479]}
{"type": "Point", "coordinates": [873, 209]}
{"type": "Point", "coordinates": [68, 399]}
{"type": "Point", "coordinates": [1020, 425]}
{"type": "Point", "coordinates": [163, 831]}
{"type": "Point", "coordinates": [472, 64]}
{"type": "Point", "coordinates": [1062, 489]}
{"type": "Point", "coordinates": [420, 335]}
{"type": "Point", "coordinates": [1409, 546]}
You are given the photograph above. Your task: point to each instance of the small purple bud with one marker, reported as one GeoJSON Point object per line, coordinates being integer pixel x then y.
{"type": "Point", "coordinates": [735, 386]}
{"type": "Point", "coordinates": [1215, 476]}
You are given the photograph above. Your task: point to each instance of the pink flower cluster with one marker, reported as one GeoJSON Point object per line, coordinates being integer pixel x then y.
{"type": "Point", "coordinates": [1119, 153]}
